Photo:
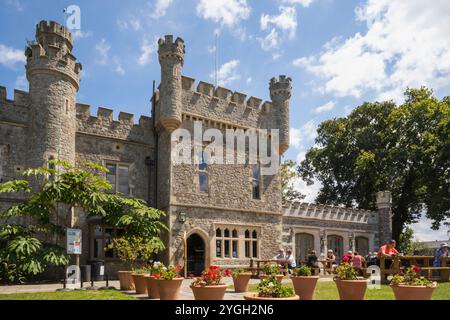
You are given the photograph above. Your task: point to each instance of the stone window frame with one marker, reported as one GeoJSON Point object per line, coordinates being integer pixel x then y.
{"type": "Point", "coordinates": [107, 162]}
{"type": "Point", "coordinates": [240, 240]}
{"type": "Point", "coordinates": [93, 237]}
{"type": "Point", "coordinates": [251, 241]}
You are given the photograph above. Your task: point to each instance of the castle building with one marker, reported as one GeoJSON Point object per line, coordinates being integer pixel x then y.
{"type": "Point", "coordinates": [217, 213]}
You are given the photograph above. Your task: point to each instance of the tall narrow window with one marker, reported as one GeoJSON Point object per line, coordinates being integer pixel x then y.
{"type": "Point", "coordinates": [256, 181]}
{"type": "Point", "coordinates": [218, 243]}
{"type": "Point", "coordinates": [234, 243]}
{"type": "Point", "coordinates": [247, 244]}
{"type": "Point", "coordinates": [203, 172]}
{"type": "Point", "coordinates": [254, 244]}
{"type": "Point", "coordinates": [118, 177]}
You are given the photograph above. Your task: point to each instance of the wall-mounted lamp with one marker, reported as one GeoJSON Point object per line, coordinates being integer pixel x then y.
{"type": "Point", "coordinates": [182, 217]}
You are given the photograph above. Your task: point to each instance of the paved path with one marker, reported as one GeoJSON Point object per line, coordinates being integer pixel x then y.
{"type": "Point", "coordinates": [185, 294]}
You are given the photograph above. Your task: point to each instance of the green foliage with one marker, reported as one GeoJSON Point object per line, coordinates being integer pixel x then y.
{"type": "Point", "coordinates": [135, 251]}
{"type": "Point", "coordinates": [303, 271]}
{"type": "Point", "coordinates": [28, 250]}
{"type": "Point", "coordinates": [169, 273]}
{"type": "Point", "coordinates": [271, 268]}
{"type": "Point", "coordinates": [411, 277]}
{"type": "Point", "coordinates": [271, 288]}
{"type": "Point", "coordinates": [381, 146]}
{"type": "Point", "coordinates": [288, 175]}
{"type": "Point", "coordinates": [346, 272]}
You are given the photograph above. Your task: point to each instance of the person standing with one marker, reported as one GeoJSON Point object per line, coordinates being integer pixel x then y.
{"type": "Point", "coordinates": [358, 263]}
{"type": "Point", "coordinates": [290, 260]}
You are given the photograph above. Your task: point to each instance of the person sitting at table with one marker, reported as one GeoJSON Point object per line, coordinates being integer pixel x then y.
{"type": "Point", "coordinates": [348, 257]}
{"type": "Point", "coordinates": [290, 260]}
{"type": "Point", "coordinates": [280, 255]}
{"type": "Point", "coordinates": [441, 252]}
{"type": "Point", "coordinates": [330, 260]}
{"type": "Point", "coordinates": [388, 250]}
{"type": "Point", "coordinates": [312, 260]}
{"type": "Point", "coordinates": [358, 262]}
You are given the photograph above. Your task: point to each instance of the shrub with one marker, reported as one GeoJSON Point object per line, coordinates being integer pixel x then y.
{"type": "Point", "coordinates": [346, 272]}
{"type": "Point", "coordinates": [211, 277]}
{"type": "Point", "coordinates": [271, 288]}
{"type": "Point", "coordinates": [303, 271]}
{"type": "Point", "coordinates": [411, 277]}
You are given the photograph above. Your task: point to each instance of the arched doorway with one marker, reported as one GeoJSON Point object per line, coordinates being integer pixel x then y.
{"type": "Point", "coordinates": [336, 243]}
{"type": "Point", "coordinates": [303, 243]}
{"type": "Point", "coordinates": [195, 254]}
{"type": "Point", "coordinates": [362, 245]}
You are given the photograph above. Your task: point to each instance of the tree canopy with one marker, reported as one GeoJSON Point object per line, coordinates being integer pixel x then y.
{"type": "Point", "coordinates": [31, 232]}
{"type": "Point", "coordinates": [404, 149]}
{"type": "Point", "coordinates": [288, 176]}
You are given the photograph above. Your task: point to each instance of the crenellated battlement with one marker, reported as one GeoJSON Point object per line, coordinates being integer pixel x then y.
{"type": "Point", "coordinates": [45, 28]}
{"type": "Point", "coordinates": [168, 49]}
{"type": "Point", "coordinates": [21, 98]}
{"type": "Point", "coordinates": [15, 110]}
{"type": "Point", "coordinates": [330, 213]}
{"type": "Point", "coordinates": [224, 94]}
{"type": "Point", "coordinates": [103, 124]}
{"type": "Point", "coordinates": [280, 87]}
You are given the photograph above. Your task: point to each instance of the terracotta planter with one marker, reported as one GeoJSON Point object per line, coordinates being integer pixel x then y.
{"type": "Point", "coordinates": [278, 276]}
{"type": "Point", "coordinates": [140, 283]}
{"type": "Point", "coordinates": [403, 292]}
{"type": "Point", "coordinates": [241, 282]}
{"type": "Point", "coordinates": [351, 289]}
{"type": "Point", "coordinates": [152, 287]}
{"type": "Point", "coordinates": [169, 289]}
{"type": "Point", "coordinates": [305, 286]}
{"type": "Point", "coordinates": [126, 280]}
{"type": "Point", "coordinates": [209, 292]}
{"type": "Point", "coordinates": [254, 296]}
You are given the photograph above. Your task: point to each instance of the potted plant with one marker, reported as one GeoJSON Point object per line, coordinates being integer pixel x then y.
{"type": "Point", "coordinates": [138, 276]}
{"type": "Point", "coordinates": [241, 279]}
{"type": "Point", "coordinates": [169, 282]}
{"type": "Point", "coordinates": [271, 269]}
{"type": "Point", "coordinates": [304, 282]}
{"type": "Point", "coordinates": [151, 281]}
{"type": "Point", "coordinates": [409, 285]}
{"type": "Point", "coordinates": [134, 252]}
{"type": "Point", "coordinates": [349, 285]}
{"type": "Point", "coordinates": [271, 289]}
{"type": "Point", "coordinates": [209, 285]}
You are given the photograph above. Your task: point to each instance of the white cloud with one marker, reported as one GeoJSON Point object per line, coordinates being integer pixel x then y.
{"type": "Point", "coordinates": [305, 3]}
{"type": "Point", "coordinates": [406, 44]}
{"type": "Point", "coordinates": [21, 83]}
{"type": "Point", "coordinates": [132, 23]}
{"type": "Point", "coordinates": [16, 4]}
{"type": "Point", "coordinates": [324, 108]}
{"type": "Point", "coordinates": [118, 66]}
{"type": "Point", "coordinates": [10, 56]}
{"type": "Point", "coordinates": [227, 73]}
{"type": "Point", "coordinates": [286, 21]}
{"type": "Point", "coordinates": [249, 80]}
{"type": "Point", "coordinates": [78, 34]}
{"type": "Point", "coordinates": [423, 232]}
{"type": "Point", "coordinates": [306, 134]}
{"type": "Point", "coordinates": [102, 49]}
{"type": "Point", "coordinates": [226, 12]}
{"type": "Point", "coordinates": [160, 8]}
{"type": "Point", "coordinates": [147, 49]}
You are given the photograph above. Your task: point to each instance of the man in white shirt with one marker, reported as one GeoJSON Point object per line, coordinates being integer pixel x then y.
{"type": "Point", "coordinates": [290, 260]}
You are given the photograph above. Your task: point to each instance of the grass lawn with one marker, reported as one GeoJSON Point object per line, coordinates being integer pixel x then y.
{"type": "Point", "coordinates": [69, 295]}
{"type": "Point", "coordinates": [328, 291]}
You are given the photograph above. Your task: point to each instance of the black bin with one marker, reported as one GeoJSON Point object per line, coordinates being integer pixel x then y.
{"type": "Point", "coordinates": [85, 273]}
{"type": "Point", "coordinates": [97, 270]}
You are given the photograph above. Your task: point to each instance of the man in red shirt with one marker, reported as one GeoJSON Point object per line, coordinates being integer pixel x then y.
{"type": "Point", "coordinates": [388, 250]}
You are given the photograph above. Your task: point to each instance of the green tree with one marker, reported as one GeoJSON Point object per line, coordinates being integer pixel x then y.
{"type": "Point", "coordinates": [31, 232]}
{"type": "Point", "coordinates": [380, 146]}
{"type": "Point", "coordinates": [288, 175]}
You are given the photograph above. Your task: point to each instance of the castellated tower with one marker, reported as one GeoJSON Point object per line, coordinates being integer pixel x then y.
{"type": "Point", "coordinates": [171, 58]}
{"type": "Point", "coordinates": [54, 77]}
{"type": "Point", "coordinates": [280, 93]}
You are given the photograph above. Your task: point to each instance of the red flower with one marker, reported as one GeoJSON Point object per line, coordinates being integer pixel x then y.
{"type": "Point", "coordinates": [179, 268]}
{"type": "Point", "coordinates": [227, 273]}
{"type": "Point", "coordinates": [191, 275]}
{"type": "Point", "coordinates": [178, 275]}
{"type": "Point", "coordinates": [416, 269]}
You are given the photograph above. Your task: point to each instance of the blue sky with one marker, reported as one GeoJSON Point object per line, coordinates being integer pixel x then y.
{"type": "Point", "coordinates": [338, 53]}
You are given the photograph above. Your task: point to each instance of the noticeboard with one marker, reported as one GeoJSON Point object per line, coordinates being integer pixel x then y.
{"type": "Point", "coordinates": [74, 241]}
